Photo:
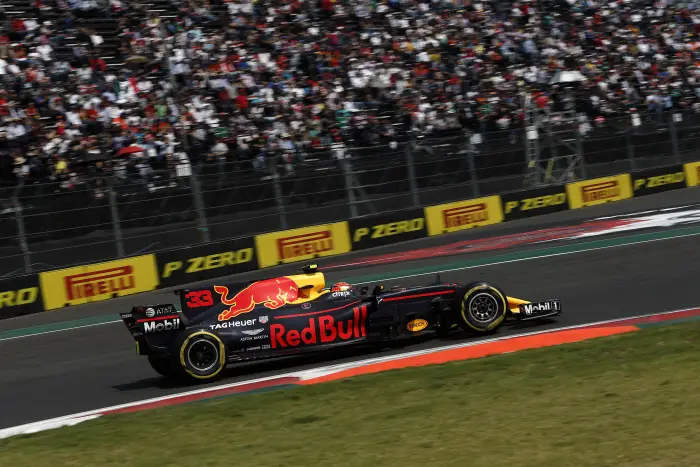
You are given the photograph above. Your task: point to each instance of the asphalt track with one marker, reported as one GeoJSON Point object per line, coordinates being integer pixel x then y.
{"type": "Point", "coordinates": [61, 373]}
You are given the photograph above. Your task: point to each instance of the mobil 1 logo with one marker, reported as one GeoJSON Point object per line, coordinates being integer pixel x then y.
{"type": "Point", "coordinates": [172, 324]}
{"type": "Point", "coordinates": [540, 309]}
{"type": "Point", "coordinates": [386, 229]}
{"type": "Point", "coordinates": [545, 200]}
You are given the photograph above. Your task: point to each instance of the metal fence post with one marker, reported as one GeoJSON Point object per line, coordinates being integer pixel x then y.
{"type": "Point", "coordinates": [471, 153]}
{"type": "Point", "coordinates": [412, 182]}
{"type": "Point", "coordinates": [199, 206]}
{"type": "Point", "coordinates": [116, 226]}
{"type": "Point", "coordinates": [279, 196]}
{"type": "Point", "coordinates": [579, 150]}
{"type": "Point", "coordinates": [675, 117]}
{"type": "Point", "coordinates": [21, 233]}
{"type": "Point", "coordinates": [349, 185]}
{"type": "Point", "coordinates": [630, 149]}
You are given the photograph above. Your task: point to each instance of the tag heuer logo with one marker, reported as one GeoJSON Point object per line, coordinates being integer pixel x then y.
{"type": "Point", "coordinates": [262, 319]}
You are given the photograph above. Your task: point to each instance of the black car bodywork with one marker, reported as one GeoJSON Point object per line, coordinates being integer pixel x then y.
{"type": "Point", "coordinates": [293, 314]}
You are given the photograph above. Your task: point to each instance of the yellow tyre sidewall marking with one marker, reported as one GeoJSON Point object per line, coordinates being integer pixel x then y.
{"type": "Point", "coordinates": [495, 292]}
{"type": "Point", "coordinates": [222, 355]}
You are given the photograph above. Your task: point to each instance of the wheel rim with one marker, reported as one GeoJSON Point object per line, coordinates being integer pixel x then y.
{"type": "Point", "coordinates": [483, 307]}
{"type": "Point", "coordinates": [202, 355]}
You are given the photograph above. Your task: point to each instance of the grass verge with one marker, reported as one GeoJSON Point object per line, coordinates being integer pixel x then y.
{"type": "Point", "coordinates": [629, 400]}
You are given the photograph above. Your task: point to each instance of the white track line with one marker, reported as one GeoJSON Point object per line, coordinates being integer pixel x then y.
{"type": "Point", "coordinates": [57, 330]}
{"type": "Point", "coordinates": [535, 256]}
{"type": "Point", "coordinates": [74, 419]}
{"type": "Point", "coordinates": [391, 278]}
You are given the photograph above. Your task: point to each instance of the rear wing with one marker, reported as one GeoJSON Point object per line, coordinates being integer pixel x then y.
{"type": "Point", "coordinates": [151, 326]}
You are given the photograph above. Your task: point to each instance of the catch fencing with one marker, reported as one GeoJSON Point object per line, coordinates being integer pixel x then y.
{"type": "Point", "coordinates": [106, 216]}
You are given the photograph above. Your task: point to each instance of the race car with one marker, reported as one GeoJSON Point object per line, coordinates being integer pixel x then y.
{"type": "Point", "coordinates": [294, 314]}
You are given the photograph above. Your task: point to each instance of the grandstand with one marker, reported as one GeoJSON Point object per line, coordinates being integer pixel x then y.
{"type": "Point", "coordinates": [132, 127]}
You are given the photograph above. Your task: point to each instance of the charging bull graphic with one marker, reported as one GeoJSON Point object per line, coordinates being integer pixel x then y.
{"type": "Point", "coordinates": [272, 293]}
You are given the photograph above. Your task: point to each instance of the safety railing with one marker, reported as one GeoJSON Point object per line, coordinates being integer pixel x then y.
{"type": "Point", "coordinates": [121, 213]}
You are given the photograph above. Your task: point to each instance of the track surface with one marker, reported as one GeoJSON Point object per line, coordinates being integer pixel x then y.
{"type": "Point", "coordinates": [61, 373]}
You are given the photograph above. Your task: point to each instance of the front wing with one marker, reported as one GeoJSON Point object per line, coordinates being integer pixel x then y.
{"type": "Point", "coordinates": [524, 310]}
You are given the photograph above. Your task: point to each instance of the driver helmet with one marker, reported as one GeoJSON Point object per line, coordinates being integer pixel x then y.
{"type": "Point", "coordinates": [341, 287]}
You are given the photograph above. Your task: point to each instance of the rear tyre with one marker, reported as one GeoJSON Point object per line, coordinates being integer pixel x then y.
{"type": "Point", "coordinates": [162, 365]}
{"type": "Point", "coordinates": [199, 356]}
{"type": "Point", "coordinates": [482, 308]}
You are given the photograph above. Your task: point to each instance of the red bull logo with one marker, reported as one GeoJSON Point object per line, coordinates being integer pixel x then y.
{"type": "Point", "coordinates": [272, 293]}
{"type": "Point", "coordinates": [321, 330]}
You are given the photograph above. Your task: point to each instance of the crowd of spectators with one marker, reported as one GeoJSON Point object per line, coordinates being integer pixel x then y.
{"type": "Point", "coordinates": [242, 81]}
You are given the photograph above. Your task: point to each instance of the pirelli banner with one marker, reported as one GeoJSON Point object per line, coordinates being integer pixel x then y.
{"type": "Point", "coordinates": [462, 215]}
{"type": "Point", "coordinates": [302, 244]}
{"type": "Point", "coordinates": [657, 180]}
{"type": "Point", "coordinates": [203, 262]}
{"type": "Point", "coordinates": [529, 203]}
{"type": "Point", "coordinates": [387, 229]}
{"type": "Point", "coordinates": [20, 296]}
{"type": "Point", "coordinates": [599, 191]}
{"type": "Point", "coordinates": [96, 282]}
{"type": "Point", "coordinates": [692, 173]}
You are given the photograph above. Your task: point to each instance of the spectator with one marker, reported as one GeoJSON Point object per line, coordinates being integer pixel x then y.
{"type": "Point", "coordinates": [245, 81]}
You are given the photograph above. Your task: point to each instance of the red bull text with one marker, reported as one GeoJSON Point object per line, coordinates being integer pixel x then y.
{"type": "Point", "coordinates": [324, 329]}
{"type": "Point", "coordinates": [272, 293]}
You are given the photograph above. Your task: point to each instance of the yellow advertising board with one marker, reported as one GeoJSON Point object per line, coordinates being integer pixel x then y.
{"type": "Point", "coordinates": [101, 281]}
{"type": "Point", "coordinates": [302, 244]}
{"type": "Point", "coordinates": [599, 191]}
{"type": "Point", "coordinates": [452, 217]}
{"type": "Point", "coordinates": [692, 173]}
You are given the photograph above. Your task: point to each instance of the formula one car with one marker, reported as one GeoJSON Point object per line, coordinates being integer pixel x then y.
{"type": "Point", "coordinates": [293, 314]}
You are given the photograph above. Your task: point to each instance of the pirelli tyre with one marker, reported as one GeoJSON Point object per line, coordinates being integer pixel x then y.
{"type": "Point", "coordinates": [199, 355]}
{"type": "Point", "coordinates": [481, 307]}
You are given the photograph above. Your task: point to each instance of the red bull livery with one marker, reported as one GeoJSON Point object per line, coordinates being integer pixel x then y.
{"type": "Point", "coordinates": [271, 293]}
{"type": "Point", "coordinates": [290, 315]}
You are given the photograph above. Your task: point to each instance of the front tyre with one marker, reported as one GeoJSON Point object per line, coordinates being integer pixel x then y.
{"type": "Point", "coordinates": [482, 308]}
{"type": "Point", "coordinates": [199, 356]}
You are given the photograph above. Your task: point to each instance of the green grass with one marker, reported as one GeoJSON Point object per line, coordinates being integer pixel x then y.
{"type": "Point", "coordinates": [630, 400]}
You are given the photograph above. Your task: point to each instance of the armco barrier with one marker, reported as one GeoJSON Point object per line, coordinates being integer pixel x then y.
{"type": "Point", "coordinates": [102, 281]}
{"type": "Point", "coordinates": [461, 215]}
{"type": "Point", "coordinates": [657, 180]}
{"type": "Point", "coordinates": [386, 229]}
{"type": "Point", "coordinates": [302, 244]}
{"type": "Point", "coordinates": [692, 173]}
{"type": "Point", "coordinates": [202, 262]}
{"type": "Point", "coordinates": [599, 191]}
{"type": "Point", "coordinates": [535, 202]}
{"type": "Point", "coordinates": [96, 282]}
{"type": "Point", "coordinates": [20, 296]}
